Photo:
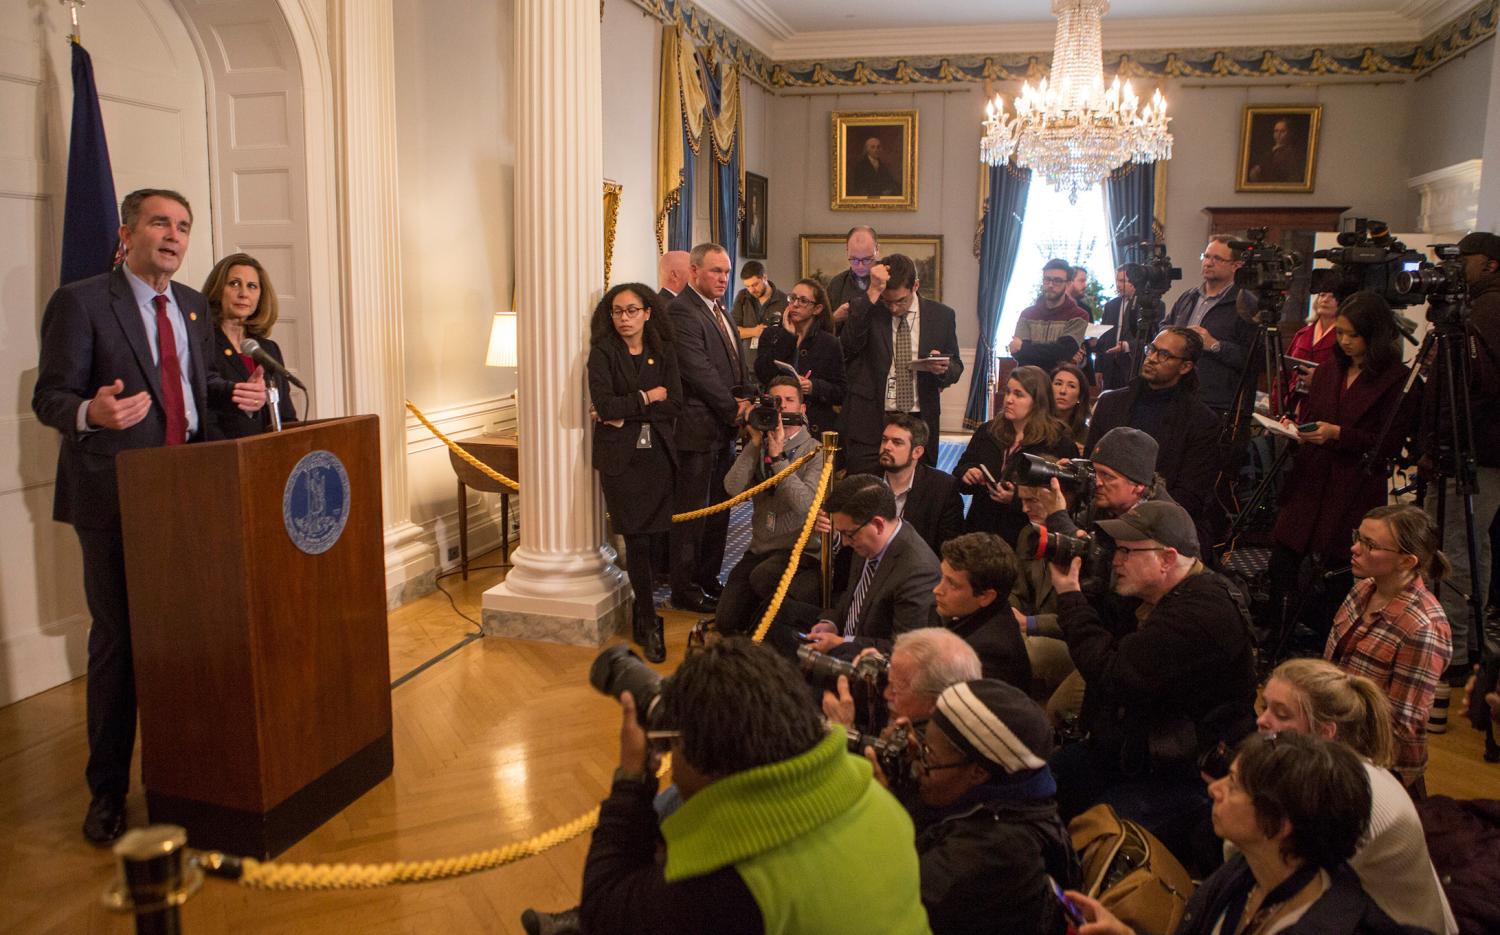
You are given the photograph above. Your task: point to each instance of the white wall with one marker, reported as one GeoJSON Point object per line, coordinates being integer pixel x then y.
{"type": "Point", "coordinates": [1453, 101]}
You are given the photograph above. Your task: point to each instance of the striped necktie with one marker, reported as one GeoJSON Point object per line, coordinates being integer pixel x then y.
{"type": "Point", "coordinates": [859, 597]}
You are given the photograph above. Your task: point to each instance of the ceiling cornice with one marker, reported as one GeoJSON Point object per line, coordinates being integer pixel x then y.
{"type": "Point", "coordinates": [1431, 15]}
{"type": "Point", "coordinates": [756, 22]}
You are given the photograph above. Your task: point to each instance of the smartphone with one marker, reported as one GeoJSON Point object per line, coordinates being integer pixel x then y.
{"type": "Point", "coordinates": [1308, 427]}
{"type": "Point", "coordinates": [988, 476]}
{"type": "Point", "coordinates": [1075, 917]}
{"type": "Point", "coordinates": [1297, 361]}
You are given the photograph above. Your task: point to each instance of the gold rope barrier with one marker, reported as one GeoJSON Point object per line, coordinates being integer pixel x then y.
{"type": "Point", "coordinates": [458, 449]}
{"type": "Point", "coordinates": [772, 609]}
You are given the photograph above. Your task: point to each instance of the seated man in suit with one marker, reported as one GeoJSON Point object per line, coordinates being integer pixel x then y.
{"type": "Point", "coordinates": [973, 600]}
{"type": "Point", "coordinates": [889, 329]}
{"type": "Point", "coordinates": [926, 497]}
{"type": "Point", "coordinates": [891, 583]}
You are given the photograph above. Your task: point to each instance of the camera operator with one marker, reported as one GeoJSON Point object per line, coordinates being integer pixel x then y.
{"type": "Point", "coordinates": [923, 663]}
{"type": "Point", "coordinates": [1124, 476]}
{"type": "Point", "coordinates": [1169, 674]}
{"type": "Point", "coordinates": [1220, 312]}
{"type": "Point", "coordinates": [778, 513]}
{"type": "Point", "coordinates": [978, 574]}
{"type": "Point", "coordinates": [1163, 402]}
{"type": "Point", "coordinates": [1480, 253]}
{"type": "Point", "coordinates": [767, 797]}
{"type": "Point", "coordinates": [988, 832]}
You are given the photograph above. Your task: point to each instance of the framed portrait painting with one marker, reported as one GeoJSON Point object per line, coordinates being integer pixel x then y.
{"type": "Point", "coordinates": [824, 256]}
{"type": "Point", "coordinates": [753, 235]}
{"type": "Point", "coordinates": [874, 161]}
{"type": "Point", "coordinates": [1279, 148]}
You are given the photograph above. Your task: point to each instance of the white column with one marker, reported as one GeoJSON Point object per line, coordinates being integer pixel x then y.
{"type": "Point", "coordinates": [564, 586]}
{"type": "Point", "coordinates": [374, 349]}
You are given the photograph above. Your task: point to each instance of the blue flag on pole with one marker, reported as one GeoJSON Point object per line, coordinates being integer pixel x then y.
{"type": "Point", "coordinates": [91, 218]}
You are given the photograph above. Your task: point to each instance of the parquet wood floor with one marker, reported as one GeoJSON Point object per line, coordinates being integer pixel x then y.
{"type": "Point", "coordinates": [499, 741]}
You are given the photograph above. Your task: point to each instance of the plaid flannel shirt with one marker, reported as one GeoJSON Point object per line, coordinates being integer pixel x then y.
{"type": "Point", "coordinates": [1404, 649]}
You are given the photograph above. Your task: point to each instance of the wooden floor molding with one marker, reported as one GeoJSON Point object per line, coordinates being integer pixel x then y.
{"type": "Point", "coordinates": [497, 742]}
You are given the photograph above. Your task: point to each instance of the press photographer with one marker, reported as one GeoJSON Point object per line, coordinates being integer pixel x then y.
{"type": "Point", "coordinates": [1169, 672]}
{"type": "Point", "coordinates": [923, 662]}
{"type": "Point", "coordinates": [1121, 475]}
{"type": "Point", "coordinates": [776, 426]}
{"type": "Point", "coordinates": [766, 796]}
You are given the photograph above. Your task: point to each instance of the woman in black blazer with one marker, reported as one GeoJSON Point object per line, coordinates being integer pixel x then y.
{"type": "Point", "coordinates": [635, 396]}
{"type": "Point", "coordinates": [1025, 425]}
{"type": "Point", "coordinates": [242, 303]}
{"type": "Point", "coordinates": [804, 341]}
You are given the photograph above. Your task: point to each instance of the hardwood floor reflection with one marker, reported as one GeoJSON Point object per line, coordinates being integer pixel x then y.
{"type": "Point", "coordinates": [497, 742]}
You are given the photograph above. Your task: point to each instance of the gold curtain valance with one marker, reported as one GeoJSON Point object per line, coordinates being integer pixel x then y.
{"type": "Point", "coordinates": [684, 106]}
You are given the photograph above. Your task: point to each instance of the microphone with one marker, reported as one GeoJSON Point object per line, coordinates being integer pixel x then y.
{"type": "Point", "coordinates": [255, 352]}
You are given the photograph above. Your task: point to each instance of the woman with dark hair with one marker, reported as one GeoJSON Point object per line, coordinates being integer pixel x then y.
{"type": "Point", "coordinates": [1329, 490]}
{"type": "Point", "coordinates": [243, 304]}
{"type": "Point", "coordinates": [1392, 630]}
{"type": "Point", "coordinates": [1025, 425]}
{"type": "Point", "coordinates": [1295, 808]}
{"type": "Point", "coordinates": [636, 395]}
{"type": "Point", "coordinates": [1072, 397]}
{"type": "Point", "coordinates": [804, 342]}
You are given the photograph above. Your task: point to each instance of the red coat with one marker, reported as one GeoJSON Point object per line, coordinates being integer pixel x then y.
{"type": "Point", "coordinates": [1327, 493]}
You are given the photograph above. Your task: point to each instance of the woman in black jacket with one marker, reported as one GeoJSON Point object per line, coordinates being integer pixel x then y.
{"type": "Point", "coordinates": [243, 304]}
{"type": "Point", "coordinates": [636, 395]}
{"type": "Point", "coordinates": [1025, 425]}
{"type": "Point", "coordinates": [804, 342]}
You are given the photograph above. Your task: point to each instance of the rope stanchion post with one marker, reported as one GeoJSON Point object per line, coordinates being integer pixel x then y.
{"type": "Point", "coordinates": [155, 878]}
{"type": "Point", "coordinates": [825, 559]}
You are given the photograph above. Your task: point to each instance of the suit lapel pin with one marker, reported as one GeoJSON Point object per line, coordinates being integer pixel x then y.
{"type": "Point", "coordinates": [192, 316]}
{"type": "Point", "coordinates": [228, 352]}
{"type": "Point", "coordinates": [650, 360]}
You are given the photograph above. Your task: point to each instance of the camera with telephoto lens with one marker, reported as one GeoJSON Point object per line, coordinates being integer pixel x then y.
{"type": "Point", "coordinates": [1368, 259]}
{"type": "Point", "coordinates": [617, 670]}
{"type": "Point", "coordinates": [1097, 553]}
{"type": "Point", "coordinates": [765, 413]}
{"type": "Point", "coordinates": [893, 753]}
{"type": "Point", "coordinates": [1441, 284]}
{"type": "Point", "coordinates": [867, 676]}
{"type": "Point", "coordinates": [1029, 470]}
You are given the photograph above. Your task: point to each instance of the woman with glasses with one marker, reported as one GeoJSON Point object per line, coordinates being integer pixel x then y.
{"type": "Point", "coordinates": [1331, 486]}
{"type": "Point", "coordinates": [1313, 696]}
{"type": "Point", "coordinates": [803, 346]}
{"type": "Point", "coordinates": [1392, 630]}
{"type": "Point", "coordinates": [1025, 425]}
{"type": "Point", "coordinates": [635, 395]}
{"type": "Point", "coordinates": [1314, 343]}
{"type": "Point", "coordinates": [1072, 393]}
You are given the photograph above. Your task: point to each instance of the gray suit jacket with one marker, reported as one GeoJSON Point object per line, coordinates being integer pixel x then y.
{"type": "Point", "coordinates": [899, 597]}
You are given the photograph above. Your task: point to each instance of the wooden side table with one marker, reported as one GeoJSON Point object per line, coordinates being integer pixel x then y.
{"type": "Point", "coordinates": [500, 453]}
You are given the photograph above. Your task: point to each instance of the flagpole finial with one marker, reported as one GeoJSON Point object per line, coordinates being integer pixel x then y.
{"type": "Point", "coordinates": [73, 6]}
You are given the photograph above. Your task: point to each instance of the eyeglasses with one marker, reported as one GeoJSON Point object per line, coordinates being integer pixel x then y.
{"type": "Point", "coordinates": [1153, 351]}
{"type": "Point", "coordinates": [1210, 258]}
{"type": "Point", "coordinates": [1369, 545]}
{"type": "Point", "coordinates": [1054, 280]}
{"type": "Point", "coordinates": [627, 311]}
{"type": "Point", "coordinates": [795, 299]}
{"type": "Point", "coordinates": [847, 534]}
{"type": "Point", "coordinates": [1126, 550]}
{"type": "Point", "coordinates": [862, 260]}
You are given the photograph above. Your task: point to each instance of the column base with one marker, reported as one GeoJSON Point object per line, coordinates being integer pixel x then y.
{"type": "Point", "coordinates": [410, 566]}
{"type": "Point", "coordinates": [577, 620]}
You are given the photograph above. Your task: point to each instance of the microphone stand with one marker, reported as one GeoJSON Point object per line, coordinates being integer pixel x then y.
{"type": "Point", "coordinates": [273, 401]}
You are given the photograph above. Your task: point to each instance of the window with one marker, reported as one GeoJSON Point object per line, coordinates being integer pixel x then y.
{"type": "Point", "coordinates": [1078, 233]}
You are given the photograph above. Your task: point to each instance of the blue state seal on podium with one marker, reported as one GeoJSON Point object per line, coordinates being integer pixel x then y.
{"type": "Point", "coordinates": [315, 502]}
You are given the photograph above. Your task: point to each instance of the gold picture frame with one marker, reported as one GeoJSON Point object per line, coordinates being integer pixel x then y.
{"type": "Point", "coordinates": [873, 164]}
{"type": "Point", "coordinates": [1279, 148]}
{"type": "Point", "coordinates": [612, 193]}
{"type": "Point", "coordinates": [824, 256]}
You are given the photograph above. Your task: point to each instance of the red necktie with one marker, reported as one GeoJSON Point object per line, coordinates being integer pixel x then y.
{"type": "Point", "coordinates": [171, 375]}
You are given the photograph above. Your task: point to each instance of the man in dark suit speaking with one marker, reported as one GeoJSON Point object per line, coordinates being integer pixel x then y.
{"type": "Point", "coordinates": [123, 365]}
{"type": "Point", "coordinates": [889, 335]}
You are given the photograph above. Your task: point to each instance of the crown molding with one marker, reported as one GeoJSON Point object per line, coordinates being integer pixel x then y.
{"type": "Point", "coordinates": [1431, 15]}
{"type": "Point", "coordinates": [1292, 29]}
{"type": "Point", "coordinates": [753, 20]}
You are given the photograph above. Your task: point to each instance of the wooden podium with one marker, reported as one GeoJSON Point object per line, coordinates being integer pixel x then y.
{"type": "Point", "coordinates": [262, 666]}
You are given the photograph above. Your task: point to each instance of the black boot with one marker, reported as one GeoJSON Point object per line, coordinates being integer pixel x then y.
{"type": "Point", "coordinates": [649, 627]}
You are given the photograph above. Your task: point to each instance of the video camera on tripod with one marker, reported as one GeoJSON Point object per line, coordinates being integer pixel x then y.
{"type": "Point", "coordinates": [1368, 258]}
{"type": "Point", "coordinates": [1151, 277]}
{"type": "Point", "coordinates": [1266, 269]}
{"type": "Point", "coordinates": [1442, 285]}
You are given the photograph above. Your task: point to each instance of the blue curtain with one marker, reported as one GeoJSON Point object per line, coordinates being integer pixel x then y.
{"type": "Point", "coordinates": [1129, 199]}
{"type": "Point", "coordinates": [680, 218]}
{"type": "Point", "coordinates": [998, 244]}
{"type": "Point", "coordinates": [726, 216]}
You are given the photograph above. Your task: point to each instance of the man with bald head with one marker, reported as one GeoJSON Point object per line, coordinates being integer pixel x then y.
{"type": "Point", "coordinates": [672, 273]}
{"type": "Point", "coordinates": [862, 246]}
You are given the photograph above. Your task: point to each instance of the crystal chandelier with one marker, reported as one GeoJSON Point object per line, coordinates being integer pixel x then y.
{"type": "Point", "coordinates": [1073, 131]}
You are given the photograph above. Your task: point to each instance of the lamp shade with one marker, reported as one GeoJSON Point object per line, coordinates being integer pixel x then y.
{"type": "Point", "coordinates": [502, 351]}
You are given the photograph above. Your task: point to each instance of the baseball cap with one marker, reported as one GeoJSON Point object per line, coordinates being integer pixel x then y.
{"type": "Point", "coordinates": [1161, 520]}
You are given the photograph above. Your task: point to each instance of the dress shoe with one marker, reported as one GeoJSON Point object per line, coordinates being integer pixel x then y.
{"type": "Point", "coordinates": [105, 820]}
{"type": "Point", "coordinates": [566, 922]}
{"type": "Point", "coordinates": [695, 602]}
{"type": "Point", "coordinates": [713, 589]}
{"type": "Point", "coordinates": [654, 640]}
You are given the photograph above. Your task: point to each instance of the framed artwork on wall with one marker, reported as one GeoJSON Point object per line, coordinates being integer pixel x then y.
{"type": "Point", "coordinates": [753, 236]}
{"type": "Point", "coordinates": [823, 257]}
{"type": "Point", "coordinates": [1279, 148]}
{"type": "Point", "coordinates": [874, 161]}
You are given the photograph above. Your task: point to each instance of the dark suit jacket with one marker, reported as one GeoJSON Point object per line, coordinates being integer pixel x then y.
{"type": "Point", "coordinates": [899, 597]}
{"type": "Point", "coordinates": [1228, 320]}
{"type": "Point", "coordinates": [1188, 456]}
{"type": "Point", "coordinates": [1115, 368]}
{"type": "Point", "coordinates": [933, 506]}
{"type": "Point", "coordinates": [867, 364]}
{"type": "Point", "coordinates": [843, 288]}
{"type": "Point", "coordinates": [614, 392]}
{"type": "Point", "coordinates": [667, 295]}
{"type": "Point", "coordinates": [230, 420]}
{"type": "Point", "coordinates": [92, 334]}
{"type": "Point", "coordinates": [996, 639]}
{"type": "Point", "coordinates": [709, 370]}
